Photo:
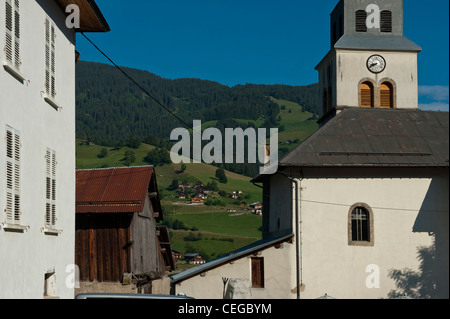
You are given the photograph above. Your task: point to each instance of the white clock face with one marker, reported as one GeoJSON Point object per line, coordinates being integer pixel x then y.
{"type": "Point", "coordinates": [376, 64]}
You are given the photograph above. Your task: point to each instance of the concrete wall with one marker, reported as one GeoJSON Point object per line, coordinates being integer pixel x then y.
{"type": "Point", "coordinates": [159, 287]}
{"type": "Point", "coordinates": [27, 256]}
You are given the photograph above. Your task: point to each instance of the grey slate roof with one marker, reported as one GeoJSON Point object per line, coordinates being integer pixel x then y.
{"type": "Point", "coordinates": [376, 137]}
{"type": "Point", "coordinates": [376, 42]}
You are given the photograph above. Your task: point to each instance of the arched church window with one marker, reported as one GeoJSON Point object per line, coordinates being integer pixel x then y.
{"type": "Point", "coordinates": [361, 24]}
{"type": "Point", "coordinates": [386, 95]}
{"type": "Point", "coordinates": [386, 21]}
{"type": "Point", "coordinates": [360, 225]}
{"type": "Point", "coordinates": [367, 95]}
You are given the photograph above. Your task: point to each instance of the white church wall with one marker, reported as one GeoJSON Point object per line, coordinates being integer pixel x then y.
{"type": "Point", "coordinates": [330, 265]}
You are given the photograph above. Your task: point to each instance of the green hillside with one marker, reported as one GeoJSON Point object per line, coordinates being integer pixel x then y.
{"type": "Point", "coordinates": [125, 124]}
{"type": "Point", "coordinates": [110, 108]}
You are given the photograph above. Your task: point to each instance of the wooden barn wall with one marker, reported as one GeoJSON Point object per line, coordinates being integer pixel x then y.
{"type": "Point", "coordinates": [102, 246]}
{"type": "Point", "coordinates": [146, 256]}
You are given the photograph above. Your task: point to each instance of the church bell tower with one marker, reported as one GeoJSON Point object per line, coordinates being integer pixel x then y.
{"type": "Point", "coordinates": [371, 64]}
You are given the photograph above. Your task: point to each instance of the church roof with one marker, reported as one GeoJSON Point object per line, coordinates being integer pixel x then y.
{"type": "Point", "coordinates": [376, 138]}
{"type": "Point", "coordinates": [376, 42]}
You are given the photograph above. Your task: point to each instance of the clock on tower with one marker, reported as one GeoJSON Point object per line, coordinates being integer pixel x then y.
{"type": "Point", "coordinates": [371, 64]}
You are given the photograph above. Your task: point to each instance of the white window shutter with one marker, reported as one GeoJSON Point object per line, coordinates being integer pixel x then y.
{"type": "Point", "coordinates": [13, 180]}
{"type": "Point", "coordinates": [50, 58]}
{"type": "Point", "coordinates": [12, 33]}
{"type": "Point", "coordinates": [17, 61]}
{"type": "Point", "coordinates": [9, 24]}
{"type": "Point", "coordinates": [50, 206]}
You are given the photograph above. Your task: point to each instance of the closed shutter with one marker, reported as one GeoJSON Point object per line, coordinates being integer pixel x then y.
{"type": "Point", "coordinates": [50, 205]}
{"type": "Point", "coordinates": [258, 272]}
{"type": "Point", "coordinates": [17, 61]}
{"type": "Point", "coordinates": [366, 95]}
{"type": "Point", "coordinates": [386, 21]}
{"type": "Point", "coordinates": [361, 23]}
{"type": "Point", "coordinates": [12, 33]}
{"type": "Point", "coordinates": [386, 96]}
{"type": "Point", "coordinates": [13, 200]}
{"type": "Point", "coordinates": [50, 58]}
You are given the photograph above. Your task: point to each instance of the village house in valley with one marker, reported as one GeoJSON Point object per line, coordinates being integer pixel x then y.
{"type": "Point", "coordinates": [37, 145]}
{"type": "Point", "coordinates": [360, 210]}
{"type": "Point", "coordinates": [119, 246]}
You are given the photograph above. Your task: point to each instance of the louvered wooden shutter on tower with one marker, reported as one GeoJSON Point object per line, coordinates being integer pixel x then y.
{"type": "Point", "coordinates": [386, 99]}
{"type": "Point", "coordinates": [366, 95]}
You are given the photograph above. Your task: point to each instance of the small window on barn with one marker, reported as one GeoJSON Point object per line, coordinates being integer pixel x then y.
{"type": "Point", "coordinates": [361, 23]}
{"type": "Point", "coordinates": [361, 225]}
{"type": "Point", "coordinates": [386, 21]}
{"type": "Point", "coordinates": [257, 272]}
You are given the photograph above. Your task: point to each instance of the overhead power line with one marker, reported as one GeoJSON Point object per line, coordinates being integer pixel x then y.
{"type": "Point", "coordinates": [136, 83]}
{"type": "Point", "coordinates": [380, 208]}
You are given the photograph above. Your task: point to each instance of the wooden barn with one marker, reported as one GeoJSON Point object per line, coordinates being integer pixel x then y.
{"type": "Point", "coordinates": [119, 246]}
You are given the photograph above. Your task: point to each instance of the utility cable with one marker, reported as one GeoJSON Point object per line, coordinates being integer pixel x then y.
{"type": "Point", "coordinates": [381, 208]}
{"type": "Point", "coordinates": [136, 83]}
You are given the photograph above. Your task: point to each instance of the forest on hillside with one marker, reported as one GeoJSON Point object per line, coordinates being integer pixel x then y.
{"type": "Point", "coordinates": [110, 109]}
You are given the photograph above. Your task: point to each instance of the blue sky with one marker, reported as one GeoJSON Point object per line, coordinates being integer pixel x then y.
{"type": "Point", "coordinates": [254, 41]}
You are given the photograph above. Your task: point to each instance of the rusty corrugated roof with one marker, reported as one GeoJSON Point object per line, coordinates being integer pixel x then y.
{"type": "Point", "coordinates": [115, 190]}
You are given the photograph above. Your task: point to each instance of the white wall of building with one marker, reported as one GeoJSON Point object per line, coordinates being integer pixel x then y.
{"type": "Point", "coordinates": [27, 256]}
{"type": "Point", "coordinates": [409, 213]}
{"type": "Point", "coordinates": [279, 276]}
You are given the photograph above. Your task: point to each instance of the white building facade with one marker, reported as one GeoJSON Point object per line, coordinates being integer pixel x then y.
{"type": "Point", "coordinates": [37, 147]}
